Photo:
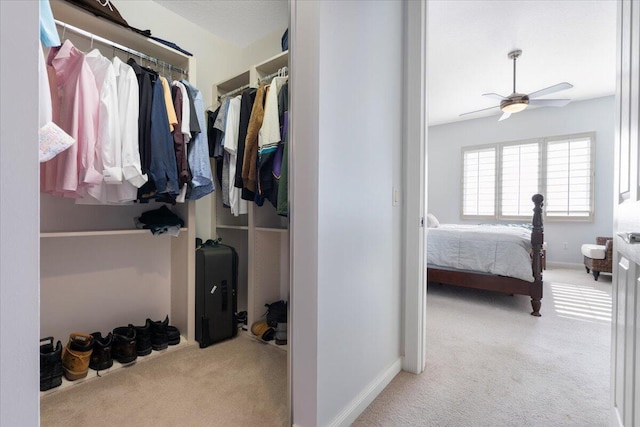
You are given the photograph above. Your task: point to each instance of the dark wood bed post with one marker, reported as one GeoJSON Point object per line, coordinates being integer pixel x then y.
{"type": "Point", "coordinates": [537, 239]}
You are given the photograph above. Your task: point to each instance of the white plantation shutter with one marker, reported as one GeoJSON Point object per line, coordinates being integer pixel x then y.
{"type": "Point", "coordinates": [569, 178]}
{"type": "Point", "coordinates": [519, 178]}
{"type": "Point", "coordinates": [479, 182]}
{"type": "Point", "coordinates": [499, 179]}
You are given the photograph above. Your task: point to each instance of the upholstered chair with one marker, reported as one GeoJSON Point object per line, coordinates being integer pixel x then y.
{"type": "Point", "coordinates": [598, 258]}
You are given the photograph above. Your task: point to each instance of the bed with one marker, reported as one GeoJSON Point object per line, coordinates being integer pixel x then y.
{"type": "Point", "coordinates": [460, 257]}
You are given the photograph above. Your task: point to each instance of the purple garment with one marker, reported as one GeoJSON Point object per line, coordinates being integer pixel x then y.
{"type": "Point", "coordinates": [277, 160]}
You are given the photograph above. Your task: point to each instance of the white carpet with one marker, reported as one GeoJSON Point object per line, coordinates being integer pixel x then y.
{"type": "Point", "coordinates": [489, 363]}
{"type": "Point", "coordinates": [239, 382]}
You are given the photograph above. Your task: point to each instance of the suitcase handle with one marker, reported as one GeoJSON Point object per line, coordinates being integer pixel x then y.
{"type": "Point", "coordinates": [225, 295]}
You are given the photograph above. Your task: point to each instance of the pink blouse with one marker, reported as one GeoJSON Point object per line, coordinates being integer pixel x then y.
{"type": "Point", "coordinates": [74, 169]}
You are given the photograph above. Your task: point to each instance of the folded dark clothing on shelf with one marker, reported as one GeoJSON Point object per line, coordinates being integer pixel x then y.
{"type": "Point", "coordinates": [161, 217]}
{"type": "Point", "coordinates": [171, 45]}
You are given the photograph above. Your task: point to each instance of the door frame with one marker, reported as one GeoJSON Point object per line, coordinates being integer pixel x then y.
{"type": "Point", "coordinates": [625, 355]}
{"type": "Point", "coordinates": [415, 185]}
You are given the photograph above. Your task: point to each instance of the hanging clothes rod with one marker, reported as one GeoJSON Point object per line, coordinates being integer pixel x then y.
{"type": "Point", "coordinates": [132, 52]}
{"type": "Point", "coordinates": [282, 72]}
{"type": "Point", "coordinates": [234, 91]}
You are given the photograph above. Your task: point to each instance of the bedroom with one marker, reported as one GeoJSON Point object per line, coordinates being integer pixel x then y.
{"type": "Point", "coordinates": [559, 49]}
{"type": "Point", "coordinates": [468, 47]}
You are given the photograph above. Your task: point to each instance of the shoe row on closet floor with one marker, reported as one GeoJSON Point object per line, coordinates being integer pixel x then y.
{"type": "Point", "coordinates": [83, 351]}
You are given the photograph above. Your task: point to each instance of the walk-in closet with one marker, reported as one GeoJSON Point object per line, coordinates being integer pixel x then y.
{"type": "Point", "coordinates": [99, 270]}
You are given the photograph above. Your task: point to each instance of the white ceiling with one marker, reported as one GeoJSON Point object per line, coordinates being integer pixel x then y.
{"type": "Point", "coordinates": [468, 42]}
{"type": "Point", "coordinates": [240, 22]}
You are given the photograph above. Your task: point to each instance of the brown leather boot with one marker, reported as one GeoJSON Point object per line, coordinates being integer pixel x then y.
{"type": "Point", "coordinates": [76, 356]}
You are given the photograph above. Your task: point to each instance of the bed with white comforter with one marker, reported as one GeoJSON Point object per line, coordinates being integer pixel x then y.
{"type": "Point", "coordinates": [495, 249]}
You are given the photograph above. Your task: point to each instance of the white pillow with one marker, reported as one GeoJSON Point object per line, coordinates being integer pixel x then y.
{"type": "Point", "coordinates": [432, 221]}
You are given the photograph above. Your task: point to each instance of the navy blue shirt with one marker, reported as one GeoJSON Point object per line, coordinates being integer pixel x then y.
{"type": "Point", "coordinates": [163, 169]}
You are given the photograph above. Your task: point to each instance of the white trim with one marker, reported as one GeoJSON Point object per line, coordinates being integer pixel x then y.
{"type": "Point", "coordinates": [415, 185]}
{"type": "Point", "coordinates": [304, 57]}
{"type": "Point", "coordinates": [364, 399]}
{"type": "Point", "coordinates": [615, 418]}
{"type": "Point", "coordinates": [563, 265]}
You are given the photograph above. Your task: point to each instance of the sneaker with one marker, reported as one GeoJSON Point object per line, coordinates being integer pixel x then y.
{"type": "Point", "coordinates": [173, 335]}
{"type": "Point", "coordinates": [281, 333]}
{"type": "Point", "coordinates": [241, 317]}
{"type": "Point", "coordinates": [159, 340]}
{"type": "Point", "coordinates": [101, 356]}
{"type": "Point", "coordinates": [76, 355]}
{"type": "Point", "coordinates": [123, 348]}
{"type": "Point", "coordinates": [143, 338]}
{"type": "Point", "coordinates": [50, 364]}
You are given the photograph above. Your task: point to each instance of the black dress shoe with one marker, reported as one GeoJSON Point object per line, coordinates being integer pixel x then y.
{"type": "Point", "coordinates": [101, 355]}
{"type": "Point", "coordinates": [123, 348]}
{"type": "Point", "coordinates": [50, 364]}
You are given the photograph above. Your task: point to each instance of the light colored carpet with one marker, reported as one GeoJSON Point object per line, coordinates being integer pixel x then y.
{"type": "Point", "coordinates": [489, 363]}
{"type": "Point", "coordinates": [240, 382]}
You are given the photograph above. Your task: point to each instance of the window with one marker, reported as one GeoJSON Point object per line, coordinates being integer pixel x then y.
{"type": "Point", "coordinates": [519, 178]}
{"type": "Point", "coordinates": [499, 179]}
{"type": "Point", "coordinates": [569, 183]}
{"type": "Point", "coordinates": [479, 182]}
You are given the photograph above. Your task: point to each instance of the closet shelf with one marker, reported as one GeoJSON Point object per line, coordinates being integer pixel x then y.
{"type": "Point", "coordinates": [233, 227]}
{"type": "Point", "coordinates": [272, 64]}
{"type": "Point", "coordinates": [92, 375]}
{"type": "Point", "coordinates": [272, 342]}
{"type": "Point", "coordinates": [90, 233]}
{"type": "Point", "coordinates": [272, 229]}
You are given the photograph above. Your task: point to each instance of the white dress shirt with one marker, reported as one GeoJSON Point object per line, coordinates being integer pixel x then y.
{"type": "Point", "coordinates": [128, 110]}
{"type": "Point", "coordinates": [238, 205]}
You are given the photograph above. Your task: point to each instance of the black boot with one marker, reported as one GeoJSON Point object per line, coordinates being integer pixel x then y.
{"type": "Point", "coordinates": [143, 338]}
{"type": "Point", "coordinates": [123, 348]}
{"type": "Point", "coordinates": [159, 340]}
{"type": "Point", "coordinates": [101, 356]}
{"type": "Point", "coordinates": [50, 364]}
{"type": "Point", "coordinates": [173, 335]}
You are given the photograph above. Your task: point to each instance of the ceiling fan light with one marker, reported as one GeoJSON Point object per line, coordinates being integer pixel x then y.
{"type": "Point", "coordinates": [515, 107]}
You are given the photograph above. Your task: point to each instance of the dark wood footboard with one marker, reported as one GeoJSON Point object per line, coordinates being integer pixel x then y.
{"type": "Point", "coordinates": [508, 285]}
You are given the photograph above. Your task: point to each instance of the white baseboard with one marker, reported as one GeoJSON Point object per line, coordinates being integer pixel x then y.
{"type": "Point", "coordinates": [551, 264]}
{"type": "Point", "coordinates": [364, 399]}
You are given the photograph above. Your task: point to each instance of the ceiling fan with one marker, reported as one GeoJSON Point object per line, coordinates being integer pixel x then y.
{"type": "Point", "coordinates": [517, 102]}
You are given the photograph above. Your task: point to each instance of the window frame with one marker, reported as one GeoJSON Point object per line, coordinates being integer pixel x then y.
{"type": "Point", "coordinates": [542, 177]}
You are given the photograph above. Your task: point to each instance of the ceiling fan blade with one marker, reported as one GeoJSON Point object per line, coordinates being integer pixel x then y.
{"type": "Point", "coordinates": [549, 102]}
{"type": "Point", "coordinates": [495, 96]}
{"type": "Point", "coordinates": [477, 111]}
{"type": "Point", "coordinates": [504, 116]}
{"type": "Point", "coordinates": [550, 89]}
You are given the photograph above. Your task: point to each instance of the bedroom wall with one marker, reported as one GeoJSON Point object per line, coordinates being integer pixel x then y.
{"type": "Point", "coordinates": [595, 115]}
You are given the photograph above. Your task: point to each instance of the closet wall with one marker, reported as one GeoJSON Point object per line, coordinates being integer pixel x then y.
{"type": "Point", "coordinates": [19, 299]}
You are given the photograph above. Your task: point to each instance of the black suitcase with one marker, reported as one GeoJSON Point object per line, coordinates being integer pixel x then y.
{"type": "Point", "coordinates": [216, 293]}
